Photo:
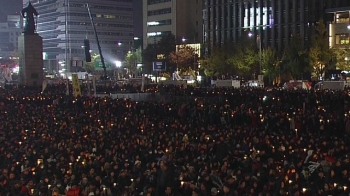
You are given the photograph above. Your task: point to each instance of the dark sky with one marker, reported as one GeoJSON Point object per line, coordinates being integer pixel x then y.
{"type": "Point", "coordinates": [8, 7]}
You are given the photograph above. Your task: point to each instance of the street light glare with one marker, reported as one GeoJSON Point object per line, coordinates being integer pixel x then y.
{"type": "Point", "coordinates": [349, 26]}
{"type": "Point", "coordinates": [118, 64]}
{"type": "Point", "coordinates": [250, 34]}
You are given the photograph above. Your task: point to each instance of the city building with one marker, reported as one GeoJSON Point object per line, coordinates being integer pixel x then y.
{"type": "Point", "coordinates": [7, 7]}
{"type": "Point", "coordinates": [182, 18]}
{"type": "Point", "coordinates": [9, 32]}
{"type": "Point", "coordinates": [271, 22]}
{"type": "Point", "coordinates": [138, 23]}
{"type": "Point", "coordinates": [339, 28]}
{"type": "Point", "coordinates": [64, 24]}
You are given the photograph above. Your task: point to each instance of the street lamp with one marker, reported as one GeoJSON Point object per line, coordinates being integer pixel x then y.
{"type": "Point", "coordinates": [349, 21]}
{"type": "Point", "coordinates": [118, 64]}
{"type": "Point", "coordinates": [183, 39]}
{"type": "Point", "coordinates": [258, 41]}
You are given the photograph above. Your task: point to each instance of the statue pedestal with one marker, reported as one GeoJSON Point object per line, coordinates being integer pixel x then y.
{"type": "Point", "coordinates": [30, 49]}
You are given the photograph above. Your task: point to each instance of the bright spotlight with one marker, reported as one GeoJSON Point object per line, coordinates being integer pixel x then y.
{"type": "Point", "coordinates": [118, 64]}
{"type": "Point", "coordinates": [250, 34]}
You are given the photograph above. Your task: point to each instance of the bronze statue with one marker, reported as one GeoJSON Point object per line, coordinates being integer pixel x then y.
{"type": "Point", "coordinates": [28, 13]}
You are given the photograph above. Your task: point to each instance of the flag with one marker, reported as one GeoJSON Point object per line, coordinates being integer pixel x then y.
{"type": "Point", "coordinates": [44, 86]}
{"type": "Point", "coordinates": [73, 192]}
{"type": "Point", "coordinates": [76, 85]}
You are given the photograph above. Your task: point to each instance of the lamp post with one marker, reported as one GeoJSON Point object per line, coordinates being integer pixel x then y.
{"type": "Point", "coordinates": [137, 44]}
{"type": "Point", "coordinates": [349, 21]}
{"type": "Point", "coordinates": [258, 41]}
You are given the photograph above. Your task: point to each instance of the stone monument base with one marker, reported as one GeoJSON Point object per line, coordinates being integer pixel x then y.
{"type": "Point", "coordinates": [30, 49]}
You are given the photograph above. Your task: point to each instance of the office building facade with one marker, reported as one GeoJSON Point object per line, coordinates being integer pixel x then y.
{"type": "Point", "coordinates": [7, 8]}
{"type": "Point", "coordinates": [272, 22]}
{"type": "Point", "coordinates": [9, 32]}
{"type": "Point", "coordinates": [64, 24]}
{"type": "Point", "coordinates": [182, 18]}
{"type": "Point", "coordinates": [339, 28]}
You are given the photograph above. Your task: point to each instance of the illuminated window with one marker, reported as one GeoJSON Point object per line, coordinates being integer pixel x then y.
{"type": "Point", "coordinates": [153, 34]}
{"type": "Point", "coordinates": [342, 39]}
{"type": "Point", "coordinates": [158, 34]}
{"type": "Point", "coordinates": [109, 16]}
{"type": "Point", "coordinates": [159, 23]}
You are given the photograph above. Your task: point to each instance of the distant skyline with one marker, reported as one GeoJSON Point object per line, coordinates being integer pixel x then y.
{"type": "Point", "coordinates": [9, 7]}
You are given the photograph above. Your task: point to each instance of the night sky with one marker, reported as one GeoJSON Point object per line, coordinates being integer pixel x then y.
{"type": "Point", "coordinates": [8, 7]}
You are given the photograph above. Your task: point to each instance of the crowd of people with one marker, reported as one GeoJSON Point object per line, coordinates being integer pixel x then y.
{"type": "Point", "coordinates": [204, 142]}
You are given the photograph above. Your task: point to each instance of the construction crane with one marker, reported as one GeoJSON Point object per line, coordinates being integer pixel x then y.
{"type": "Point", "coordinates": [104, 77]}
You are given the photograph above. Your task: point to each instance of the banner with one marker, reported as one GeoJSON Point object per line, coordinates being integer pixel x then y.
{"type": "Point", "coordinates": [94, 84]}
{"type": "Point", "coordinates": [88, 83]}
{"type": "Point", "coordinates": [76, 85]}
{"type": "Point", "coordinates": [44, 86]}
{"type": "Point", "coordinates": [143, 83]}
{"type": "Point", "coordinates": [159, 66]}
{"type": "Point", "coordinates": [67, 87]}
{"type": "Point", "coordinates": [7, 74]}
{"type": "Point", "coordinates": [73, 192]}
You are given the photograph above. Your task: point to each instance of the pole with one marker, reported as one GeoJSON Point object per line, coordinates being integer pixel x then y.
{"type": "Point", "coordinates": [155, 57]}
{"type": "Point", "coordinates": [66, 35]}
{"type": "Point", "coordinates": [98, 42]}
{"type": "Point", "coordinates": [70, 64]}
{"type": "Point", "coordinates": [260, 50]}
